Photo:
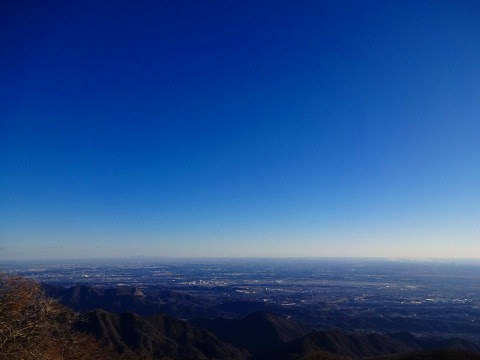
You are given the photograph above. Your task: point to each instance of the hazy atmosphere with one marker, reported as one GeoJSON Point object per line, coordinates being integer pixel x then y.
{"type": "Point", "coordinates": [239, 128]}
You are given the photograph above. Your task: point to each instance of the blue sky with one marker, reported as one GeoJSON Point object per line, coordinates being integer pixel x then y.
{"type": "Point", "coordinates": [239, 128]}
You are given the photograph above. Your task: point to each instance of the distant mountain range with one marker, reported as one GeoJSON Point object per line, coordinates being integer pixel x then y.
{"type": "Point", "coordinates": [142, 326]}
{"type": "Point", "coordinates": [260, 333]}
{"type": "Point", "coordinates": [122, 299]}
{"type": "Point", "coordinates": [156, 337]}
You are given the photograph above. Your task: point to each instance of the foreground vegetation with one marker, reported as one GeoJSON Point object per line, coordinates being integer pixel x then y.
{"type": "Point", "coordinates": [33, 326]}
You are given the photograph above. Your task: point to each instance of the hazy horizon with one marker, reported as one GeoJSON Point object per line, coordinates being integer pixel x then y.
{"type": "Point", "coordinates": [130, 260]}
{"type": "Point", "coordinates": [240, 129]}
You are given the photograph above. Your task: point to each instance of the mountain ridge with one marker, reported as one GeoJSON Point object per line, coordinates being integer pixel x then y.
{"type": "Point", "coordinates": [151, 327]}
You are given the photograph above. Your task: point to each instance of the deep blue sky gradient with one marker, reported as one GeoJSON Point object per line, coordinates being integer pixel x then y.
{"type": "Point", "coordinates": [239, 128]}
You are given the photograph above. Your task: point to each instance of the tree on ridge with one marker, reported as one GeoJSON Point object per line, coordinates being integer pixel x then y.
{"type": "Point", "coordinates": [33, 326]}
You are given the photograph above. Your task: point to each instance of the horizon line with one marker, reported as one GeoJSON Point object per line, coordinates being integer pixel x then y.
{"type": "Point", "coordinates": [210, 258]}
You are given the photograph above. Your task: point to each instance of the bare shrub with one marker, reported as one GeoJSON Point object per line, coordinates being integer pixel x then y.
{"type": "Point", "coordinates": [33, 326]}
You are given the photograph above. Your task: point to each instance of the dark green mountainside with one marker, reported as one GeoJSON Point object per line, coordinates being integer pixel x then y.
{"type": "Point", "coordinates": [260, 333]}
{"type": "Point", "coordinates": [257, 336]}
{"type": "Point", "coordinates": [143, 333]}
{"type": "Point", "coordinates": [156, 337]}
